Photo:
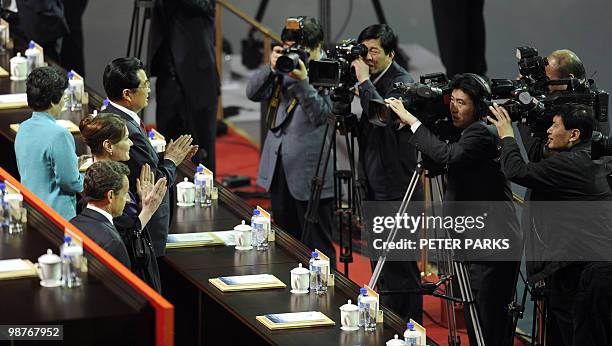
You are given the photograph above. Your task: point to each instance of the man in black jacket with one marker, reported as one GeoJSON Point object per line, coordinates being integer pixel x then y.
{"type": "Point", "coordinates": [566, 175]}
{"type": "Point", "coordinates": [106, 188]}
{"type": "Point", "coordinates": [127, 87]}
{"type": "Point", "coordinates": [474, 175]}
{"type": "Point", "coordinates": [386, 159]}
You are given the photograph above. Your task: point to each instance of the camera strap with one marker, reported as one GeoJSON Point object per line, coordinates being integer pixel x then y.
{"type": "Point", "coordinates": [275, 103]}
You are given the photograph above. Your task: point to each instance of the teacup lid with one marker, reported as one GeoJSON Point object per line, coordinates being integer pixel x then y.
{"type": "Point", "coordinates": [396, 341]}
{"type": "Point", "coordinates": [18, 57]}
{"type": "Point", "coordinates": [185, 184]}
{"type": "Point", "coordinates": [349, 306]}
{"type": "Point", "coordinates": [299, 270]}
{"type": "Point", "coordinates": [49, 258]}
{"type": "Point", "coordinates": [243, 227]}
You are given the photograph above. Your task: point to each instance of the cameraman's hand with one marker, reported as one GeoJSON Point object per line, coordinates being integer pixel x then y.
{"type": "Point", "coordinates": [299, 73]}
{"type": "Point", "coordinates": [276, 52]}
{"type": "Point", "coordinates": [502, 121]}
{"type": "Point", "coordinates": [362, 70]}
{"type": "Point", "coordinates": [398, 107]}
{"type": "Point", "coordinates": [177, 151]}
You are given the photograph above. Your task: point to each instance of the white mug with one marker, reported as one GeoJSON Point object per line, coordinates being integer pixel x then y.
{"type": "Point", "coordinates": [300, 279]}
{"type": "Point", "coordinates": [185, 193]}
{"type": "Point", "coordinates": [19, 67]}
{"type": "Point", "coordinates": [243, 235]}
{"type": "Point", "coordinates": [349, 316]}
{"type": "Point", "coordinates": [49, 268]}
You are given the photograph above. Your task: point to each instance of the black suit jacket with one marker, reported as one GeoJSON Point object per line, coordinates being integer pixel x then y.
{"type": "Point", "coordinates": [143, 152]}
{"type": "Point", "coordinates": [474, 175]}
{"type": "Point", "coordinates": [183, 44]}
{"type": "Point", "coordinates": [387, 159]}
{"type": "Point", "coordinates": [99, 229]}
{"type": "Point", "coordinates": [558, 227]}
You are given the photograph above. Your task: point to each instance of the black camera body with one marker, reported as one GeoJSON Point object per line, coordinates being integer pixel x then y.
{"type": "Point", "coordinates": [290, 58]}
{"type": "Point", "coordinates": [428, 100]}
{"type": "Point", "coordinates": [335, 71]}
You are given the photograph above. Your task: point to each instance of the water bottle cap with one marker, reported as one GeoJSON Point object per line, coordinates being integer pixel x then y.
{"type": "Point", "coordinates": [70, 74]}
{"type": "Point", "coordinates": [200, 169]}
{"type": "Point", "coordinates": [255, 212]}
{"type": "Point", "coordinates": [314, 254]}
{"type": "Point", "coordinates": [151, 134]}
{"type": "Point", "coordinates": [106, 102]}
{"type": "Point", "coordinates": [410, 326]}
{"type": "Point", "coordinates": [31, 45]}
{"type": "Point", "coordinates": [363, 291]}
{"type": "Point", "coordinates": [67, 239]}
{"type": "Point", "coordinates": [2, 186]}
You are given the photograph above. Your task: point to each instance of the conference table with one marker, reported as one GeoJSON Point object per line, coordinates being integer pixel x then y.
{"type": "Point", "coordinates": [203, 315]}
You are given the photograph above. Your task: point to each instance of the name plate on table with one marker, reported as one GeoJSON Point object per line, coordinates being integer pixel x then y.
{"type": "Point", "coordinates": [181, 240]}
{"type": "Point", "coordinates": [292, 320]}
{"type": "Point", "coordinates": [16, 268]}
{"type": "Point", "coordinates": [246, 282]}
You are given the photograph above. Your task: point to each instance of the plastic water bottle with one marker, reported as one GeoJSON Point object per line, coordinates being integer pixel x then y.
{"type": "Point", "coordinates": [313, 270]}
{"type": "Point", "coordinates": [72, 259]}
{"type": "Point", "coordinates": [31, 55]}
{"type": "Point", "coordinates": [70, 94]}
{"type": "Point", "coordinates": [5, 212]}
{"type": "Point", "coordinates": [411, 336]}
{"type": "Point", "coordinates": [199, 179]}
{"type": "Point", "coordinates": [105, 104]}
{"type": "Point", "coordinates": [260, 234]}
{"type": "Point", "coordinates": [363, 292]}
{"type": "Point", "coordinates": [77, 88]}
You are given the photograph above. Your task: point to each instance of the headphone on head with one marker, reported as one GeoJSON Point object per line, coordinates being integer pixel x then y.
{"type": "Point", "coordinates": [481, 105]}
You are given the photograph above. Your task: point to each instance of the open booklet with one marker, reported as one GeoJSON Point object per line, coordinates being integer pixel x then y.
{"type": "Point", "coordinates": [291, 320]}
{"type": "Point", "coordinates": [16, 268]}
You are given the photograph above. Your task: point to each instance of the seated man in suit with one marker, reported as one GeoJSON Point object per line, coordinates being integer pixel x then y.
{"type": "Point", "coordinates": [106, 190]}
{"type": "Point", "coordinates": [127, 87]}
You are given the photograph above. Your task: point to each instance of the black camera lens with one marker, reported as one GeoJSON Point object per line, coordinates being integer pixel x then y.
{"type": "Point", "coordinates": [287, 62]}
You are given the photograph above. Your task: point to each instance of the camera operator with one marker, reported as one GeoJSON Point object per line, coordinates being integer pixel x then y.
{"type": "Point", "coordinates": [296, 118]}
{"type": "Point", "coordinates": [569, 175]}
{"type": "Point", "coordinates": [474, 174]}
{"type": "Point", "coordinates": [386, 159]}
{"type": "Point", "coordinates": [562, 64]}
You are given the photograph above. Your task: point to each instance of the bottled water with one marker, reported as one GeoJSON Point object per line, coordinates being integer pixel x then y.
{"type": "Point", "coordinates": [5, 212]}
{"type": "Point", "coordinates": [363, 292]}
{"type": "Point", "coordinates": [411, 336]}
{"type": "Point", "coordinates": [72, 260]}
{"type": "Point", "coordinates": [199, 179]}
{"type": "Point", "coordinates": [260, 234]}
{"type": "Point", "coordinates": [313, 274]}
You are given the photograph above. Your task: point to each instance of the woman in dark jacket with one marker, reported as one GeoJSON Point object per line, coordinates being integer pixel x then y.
{"type": "Point", "coordinates": [107, 137]}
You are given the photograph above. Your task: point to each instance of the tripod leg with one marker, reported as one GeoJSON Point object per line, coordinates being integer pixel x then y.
{"type": "Point", "coordinates": [463, 279]}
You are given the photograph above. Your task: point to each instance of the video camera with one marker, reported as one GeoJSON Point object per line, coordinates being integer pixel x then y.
{"type": "Point", "coordinates": [335, 71]}
{"type": "Point", "coordinates": [290, 60]}
{"type": "Point", "coordinates": [530, 100]}
{"type": "Point", "coordinates": [428, 100]}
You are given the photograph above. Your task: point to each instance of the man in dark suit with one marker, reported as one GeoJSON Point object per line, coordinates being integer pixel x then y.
{"type": "Point", "coordinates": [127, 87]}
{"type": "Point", "coordinates": [386, 158]}
{"type": "Point", "coordinates": [474, 174]}
{"type": "Point", "coordinates": [106, 189]}
{"type": "Point", "coordinates": [558, 230]}
{"type": "Point", "coordinates": [182, 53]}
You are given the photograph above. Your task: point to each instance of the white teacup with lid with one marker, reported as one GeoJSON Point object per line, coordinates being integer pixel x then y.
{"type": "Point", "coordinates": [243, 234]}
{"type": "Point", "coordinates": [185, 193]}
{"type": "Point", "coordinates": [300, 279]}
{"type": "Point", "coordinates": [49, 269]}
{"type": "Point", "coordinates": [349, 316]}
{"type": "Point", "coordinates": [396, 341]}
{"type": "Point", "coordinates": [19, 67]}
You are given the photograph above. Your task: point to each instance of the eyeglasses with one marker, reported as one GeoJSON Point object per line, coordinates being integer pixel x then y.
{"type": "Point", "coordinates": [146, 86]}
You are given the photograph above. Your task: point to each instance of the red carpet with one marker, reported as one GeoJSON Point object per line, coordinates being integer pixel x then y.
{"type": "Point", "coordinates": [237, 155]}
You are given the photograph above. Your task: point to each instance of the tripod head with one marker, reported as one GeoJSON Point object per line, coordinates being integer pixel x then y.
{"type": "Point", "coordinates": [341, 110]}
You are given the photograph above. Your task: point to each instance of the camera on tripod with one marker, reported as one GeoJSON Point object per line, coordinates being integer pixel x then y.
{"type": "Point", "coordinates": [428, 100]}
{"type": "Point", "coordinates": [290, 58]}
{"type": "Point", "coordinates": [335, 71]}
